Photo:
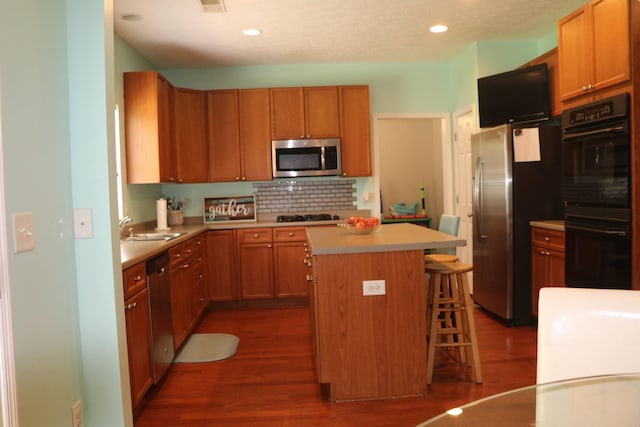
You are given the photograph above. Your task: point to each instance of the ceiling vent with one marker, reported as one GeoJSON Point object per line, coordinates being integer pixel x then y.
{"type": "Point", "coordinates": [213, 6]}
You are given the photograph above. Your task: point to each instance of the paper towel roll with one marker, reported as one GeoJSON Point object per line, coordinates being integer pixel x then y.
{"type": "Point", "coordinates": [161, 212]}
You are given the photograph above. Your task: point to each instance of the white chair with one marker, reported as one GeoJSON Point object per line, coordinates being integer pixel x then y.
{"type": "Point", "coordinates": [587, 332]}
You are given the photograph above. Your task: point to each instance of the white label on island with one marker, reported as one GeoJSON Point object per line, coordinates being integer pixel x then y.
{"type": "Point", "coordinates": [373, 287]}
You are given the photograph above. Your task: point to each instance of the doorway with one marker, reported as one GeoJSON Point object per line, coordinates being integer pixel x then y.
{"type": "Point", "coordinates": [411, 151]}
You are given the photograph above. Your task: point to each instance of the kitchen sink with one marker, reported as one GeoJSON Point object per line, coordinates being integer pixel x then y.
{"type": "Point", "coordinates": [152, 237]}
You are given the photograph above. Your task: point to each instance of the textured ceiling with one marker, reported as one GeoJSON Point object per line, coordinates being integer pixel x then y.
{"type": "Point", "coordinates": [180, 34]}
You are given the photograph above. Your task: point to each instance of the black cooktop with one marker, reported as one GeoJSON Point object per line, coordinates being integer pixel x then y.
{"type": "Point", "coordinates": [311, 217]}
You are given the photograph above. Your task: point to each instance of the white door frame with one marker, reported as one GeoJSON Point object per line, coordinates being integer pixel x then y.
{"type": "Point", "coordinates": [447, 165]}
{"type": "Point", "coordinates": [9, 413]}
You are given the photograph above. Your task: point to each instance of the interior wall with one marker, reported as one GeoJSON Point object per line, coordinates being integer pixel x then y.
{"type": "Point", "coordinates": [410, 154]}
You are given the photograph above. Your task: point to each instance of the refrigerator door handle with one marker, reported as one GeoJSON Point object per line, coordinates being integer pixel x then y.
{"type": "Point", "coordinates": [478, 198]}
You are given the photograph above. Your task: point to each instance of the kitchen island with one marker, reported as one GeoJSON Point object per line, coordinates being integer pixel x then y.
{"type": "Point", "coordinates": [368, 310]}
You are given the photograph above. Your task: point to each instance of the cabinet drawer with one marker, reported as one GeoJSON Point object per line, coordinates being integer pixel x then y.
{"type": "Point", "coordinates": [255, 235]}
{"type": "Point", "coordinates": [177, 254]}
{"type": "Point", "coordinates": [551, 239]}
{"type": "Point", "coordinates": [193, 246]}
{"type": "Point", "coordinates": [134, 279]}
{"type": "Point", "coordinates": [289, 234]}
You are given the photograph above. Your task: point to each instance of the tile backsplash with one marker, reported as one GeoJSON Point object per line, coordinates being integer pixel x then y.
{"type": "Point", "coordinates": [305, 196]}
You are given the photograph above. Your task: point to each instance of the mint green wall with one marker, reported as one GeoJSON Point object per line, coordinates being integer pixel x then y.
{"type": "Point", "coordinates": [98, 267]}
{"type": "Point", "coordinates": [66, 322]}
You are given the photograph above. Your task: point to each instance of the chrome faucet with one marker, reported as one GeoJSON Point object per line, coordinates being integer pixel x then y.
{"type": "Point", "coordinates": [123, 222]}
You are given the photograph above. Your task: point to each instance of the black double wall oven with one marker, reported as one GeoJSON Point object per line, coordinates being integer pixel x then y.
{"type": "Point", "coordinates": [596, 192]}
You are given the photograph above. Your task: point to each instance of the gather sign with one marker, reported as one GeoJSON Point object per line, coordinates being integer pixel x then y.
{"type": "Point", "coordinates": [229, 208]}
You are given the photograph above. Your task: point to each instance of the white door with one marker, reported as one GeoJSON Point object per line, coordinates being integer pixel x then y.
{"type": "Point", "coordinates": [8, 401]}
{"type": "Point", "coordinates": [464, 126]}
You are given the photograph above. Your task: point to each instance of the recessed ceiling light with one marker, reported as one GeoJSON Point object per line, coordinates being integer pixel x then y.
{"type": "Point", "coordinates": [438, 28]}
{"type": "Point", "coordinates": [251, 32]}
{"type": "Point", "coordinates": [130, 17]}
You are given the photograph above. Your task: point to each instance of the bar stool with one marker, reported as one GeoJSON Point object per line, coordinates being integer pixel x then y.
{"type": "Point", "coordinates": [450, 321]}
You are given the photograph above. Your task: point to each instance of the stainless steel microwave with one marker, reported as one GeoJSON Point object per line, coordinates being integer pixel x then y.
{"type": "Point", "coordinates": [305, 157]}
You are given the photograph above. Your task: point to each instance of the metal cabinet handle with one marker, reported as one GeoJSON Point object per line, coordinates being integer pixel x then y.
{"type": "Point", "coordinates": [255, 236]}
{"type": "Point", "coordinates": [131, 306]}
{"type": "Point", "coordinates": [547, 238]}
{"type": "Point", "coordinates": [309, 278]}
{"type": "Point", "coordinates": [137, 278]}
{"type": "Point", "coordinates": [185, 266]}
{"type": "Point", "coordinates": [290, 234]}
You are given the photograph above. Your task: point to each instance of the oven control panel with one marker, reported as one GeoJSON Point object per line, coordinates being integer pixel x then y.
{"type": "Point", "coordinates": [605, 109]}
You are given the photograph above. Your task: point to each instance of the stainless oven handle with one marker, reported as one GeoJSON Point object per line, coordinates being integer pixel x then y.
{"type": "Point", "coordinates": [599, 231]}
{"type": "Point", "coordinates": [613, 129]}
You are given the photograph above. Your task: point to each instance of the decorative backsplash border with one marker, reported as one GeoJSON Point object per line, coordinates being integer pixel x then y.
{"type": "Point", "coordinates": [305, 196]}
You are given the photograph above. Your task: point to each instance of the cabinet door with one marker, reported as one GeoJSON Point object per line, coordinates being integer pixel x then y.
{"type": "Point", "coordinates": [287, 113]}
{"type": "Point", "coordinates": [224, 135]}
{"type": "Point", "coordinates": [575, 53]}
{"type": "Point", "coordinates": [198, 292]}
{"type": "Point", "coordinates": [221, 277]}
{"type": "Point", "coordinates": [539, 275]}
{"type": "Point", "coordinates": [610, 21]}
{"type": "Point", "coordinates": [556, 268]}
{"type": "Point", "coordinates": [148, 128]}
{"type": "Point", "coordinates": [181, 307]}
{"type": "Point", "coordinates": [192, 152]}
{"type": "Point", "coordinates": [355, 130]}
{"type": "Point", "coordinates": [255, 134]}
{"type": "Point", "coordinates": [256, 270]}
{"type": "Point", "coordinates": [290, 269]}
{"type": "Point", "coordinates": [322, 118]}
{"type": "Point", "coordinates": [594, 47]}
{"type": "Point", "coordinates": [167, 146]}
{"type": "Point", "coordinates": [139, 347]}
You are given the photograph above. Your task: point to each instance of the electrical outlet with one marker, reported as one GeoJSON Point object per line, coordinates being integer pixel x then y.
{"type": "Point", "coordinates": [373, 287]}
{"type": "Point", "coordinates": [76, 414]}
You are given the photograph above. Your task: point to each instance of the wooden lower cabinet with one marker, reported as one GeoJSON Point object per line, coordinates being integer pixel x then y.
{"type": "Point", "coordinates": [138, 327]}
{"type": "Point", "coordinates": [255, 255]}
{"type": "Point", "coordinates": [290, 262]}
{"type": "Point", "coordinates": [256, 264]}
{"type": "Point", "coordinates": [547, 262]}
{"type": "Point", "coordinates": [188, 299]}
{"type": "Point", "coordinates": [221, 266]}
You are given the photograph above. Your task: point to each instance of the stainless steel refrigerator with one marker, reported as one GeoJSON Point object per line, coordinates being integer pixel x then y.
{"type": "Point", "coordinates": [507, 195]}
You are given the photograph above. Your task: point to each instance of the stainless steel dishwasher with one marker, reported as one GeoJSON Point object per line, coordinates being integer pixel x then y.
{"type": "Point", "coordinates": [161, 326]}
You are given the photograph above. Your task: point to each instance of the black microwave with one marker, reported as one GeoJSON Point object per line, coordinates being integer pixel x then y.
{"type": "Point", "coordinates": [305, 157]}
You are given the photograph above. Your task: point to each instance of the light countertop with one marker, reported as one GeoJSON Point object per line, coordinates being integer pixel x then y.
{"type": "Point", "coordinates": [556, 224]}
{"type": "Point", "coordinates": [387, 238]}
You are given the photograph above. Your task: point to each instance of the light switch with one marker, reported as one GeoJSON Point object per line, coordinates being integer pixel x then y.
{"type": "Point", "coordinates": [82, 223]}
{"type": "Point", "coordinates": [23, 236]}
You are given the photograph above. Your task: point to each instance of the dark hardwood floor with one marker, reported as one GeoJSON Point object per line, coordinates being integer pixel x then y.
{"type": "Point", "coordinates": [271, 379]}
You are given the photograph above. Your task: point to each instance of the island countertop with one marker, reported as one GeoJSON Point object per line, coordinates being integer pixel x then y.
{"type": "Point", "coordinates": [387, 238]}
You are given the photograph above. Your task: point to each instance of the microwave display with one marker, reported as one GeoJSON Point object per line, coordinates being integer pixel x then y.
{"type": "Point", "coordinates": [308, 157]}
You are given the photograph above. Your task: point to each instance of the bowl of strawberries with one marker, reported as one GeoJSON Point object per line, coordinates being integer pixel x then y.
{"type": "Point", "coordinates": [362, 224]}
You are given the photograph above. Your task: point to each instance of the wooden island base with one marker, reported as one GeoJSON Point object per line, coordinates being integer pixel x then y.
{"type": "Point", "coordinates": [371, 346]}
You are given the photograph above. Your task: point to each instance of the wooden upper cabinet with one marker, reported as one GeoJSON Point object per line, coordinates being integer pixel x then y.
{"type": "Point", "coordinates": [239, 135]}
{"type": "Point", "coordinates": [355, 130]}
{"type": "Point", "coordinates": [309, 112]}
{"type": "Point", "coordinates": [255, 134]}
{"type": "Point", "coordinates": [224, 135]}
{"type": "Point", "coordinates": [148, 141]}
{"type": "Point", "coordinates": [192, 152]}
{"type": "Point", "coordinates": [593, 47]}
